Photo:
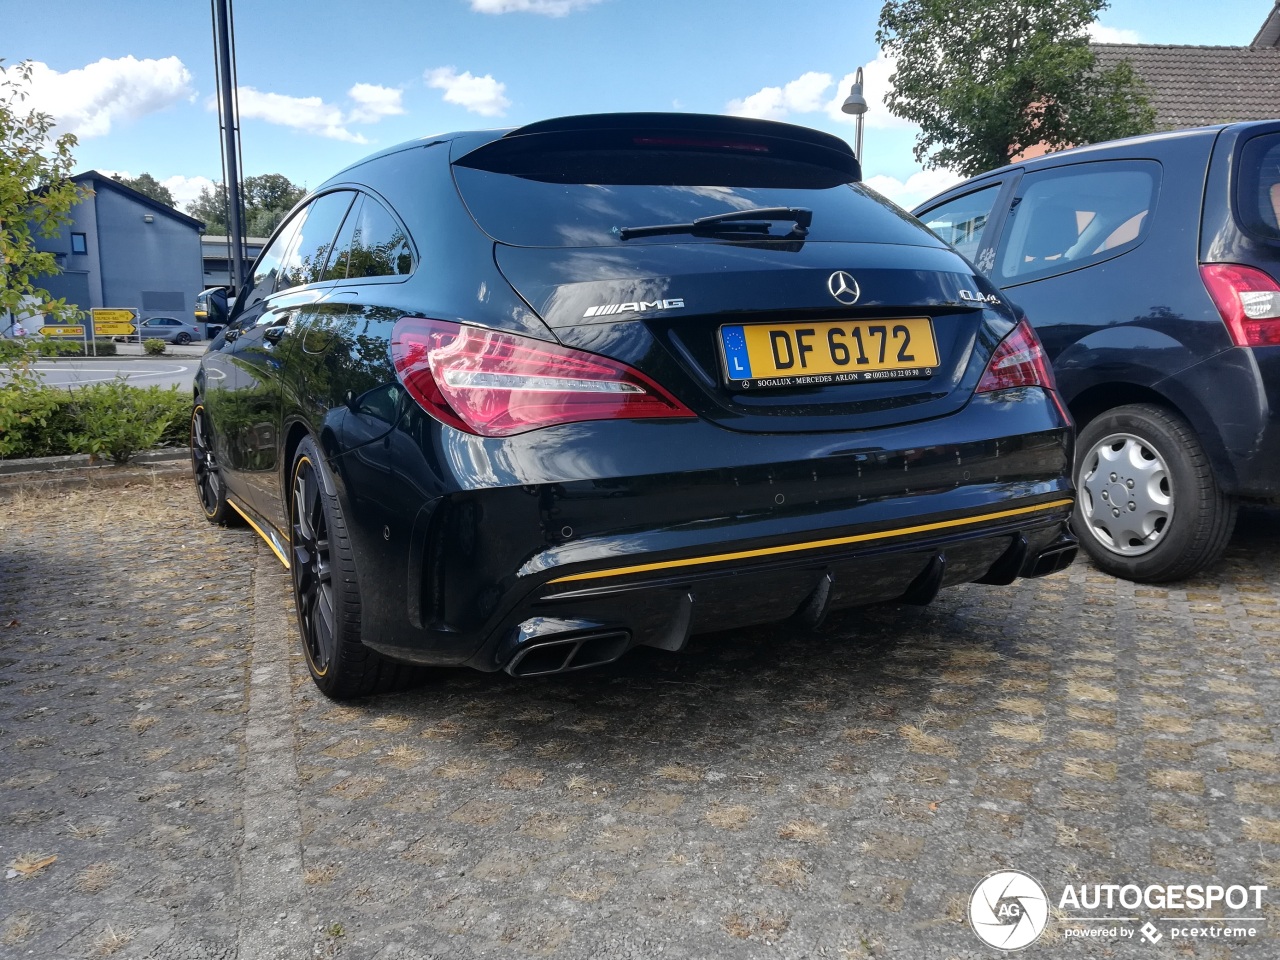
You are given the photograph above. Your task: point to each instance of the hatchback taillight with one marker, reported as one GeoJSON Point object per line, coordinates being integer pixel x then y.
{"type": "Point", "coordinates": [496, 384]}
{"type": "Point", "coordinates": [1017, 362]}
{"type": "Point", "coordinates": [1248, 300]}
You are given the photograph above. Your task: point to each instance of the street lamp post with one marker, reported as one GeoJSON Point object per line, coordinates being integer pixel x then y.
{"type": "Point", "coordinates": [856, 104]}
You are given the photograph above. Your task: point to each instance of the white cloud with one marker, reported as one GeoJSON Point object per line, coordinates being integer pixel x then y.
{"type": "Point", "coordinates": [917, 187]}
{"type": "Point", "coordinates": [1100, 34]}
{"type": "Point", "coordinates": [314, 115]}
{"type": "Point", "coordinates": [186, 189]}
{"type": "Point", "coordinates": [374, 102]}
{"type": "Point", "coordinates": [548, 8]}
{"type": "Point", "coordinates": [89, 100]}
{"type": "Point", "coordinates": [309, 114]}
{"type": "Point", "coordinates": [802, 95]}
{"type": "Point", "coordinates": [482, 95]}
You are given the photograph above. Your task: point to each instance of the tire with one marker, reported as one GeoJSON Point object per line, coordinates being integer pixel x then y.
{"type": "Point", "coordinates": [326, 589]}
{"type": "Point", "coordinates": [1148, 508]}
{"type": "Point", "coordinates": [182, 339]}
{"type": "Point", "coordinates": [210, 487]}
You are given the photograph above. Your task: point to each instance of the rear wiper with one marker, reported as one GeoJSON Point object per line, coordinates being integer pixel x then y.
{"type": "Point", "coordinates": [739, 221]}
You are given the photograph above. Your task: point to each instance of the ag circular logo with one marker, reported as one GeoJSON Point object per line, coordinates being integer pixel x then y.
{"type": "Point", "coordinates": [844, 288]}
{"type": "Point", "coordinates": [1008, 910]}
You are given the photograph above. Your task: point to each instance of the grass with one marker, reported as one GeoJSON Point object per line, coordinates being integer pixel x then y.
{"type": "Point", "coordinates": [804, 831]}
{"type": "Point", "coordinates": [731, 816]}
{"type": "Point", "coordinates": [95, 877]}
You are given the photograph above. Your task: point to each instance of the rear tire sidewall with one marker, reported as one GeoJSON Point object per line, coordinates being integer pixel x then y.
{"type": "Point", "coordinates": [1202, 516]}
{"type": "Point", "coordinates": [339, 673]}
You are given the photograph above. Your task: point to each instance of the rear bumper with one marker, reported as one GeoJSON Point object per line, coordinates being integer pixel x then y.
{"type": "Point", "coordinates": [647, 543]}
{"type": "Point", "coordinates": [1233, 401]}
{"type": "Point", "coordinates": [581, 621]}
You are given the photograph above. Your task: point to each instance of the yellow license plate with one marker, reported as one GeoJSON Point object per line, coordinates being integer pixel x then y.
{"type": "Point", "coordinates": [828, 351]}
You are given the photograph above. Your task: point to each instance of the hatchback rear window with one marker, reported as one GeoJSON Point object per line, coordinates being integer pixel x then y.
{"type": "Point", "coordinates": [557, 191]}
{"type": "Point", "coordinates": [1258, 186]}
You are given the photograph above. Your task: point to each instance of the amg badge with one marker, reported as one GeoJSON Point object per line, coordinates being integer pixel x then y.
{"type": "Point", "coordinates": [635, 306]}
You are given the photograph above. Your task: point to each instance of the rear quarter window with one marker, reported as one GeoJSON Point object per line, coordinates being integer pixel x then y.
{"type": "Point", "coordinates": [1258, 186]}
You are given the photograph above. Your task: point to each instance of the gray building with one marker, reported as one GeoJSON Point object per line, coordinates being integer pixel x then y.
{"type": "Point", "coordinates": [217, 257]}
{"type": "Point", "coordinates": [123, 249]}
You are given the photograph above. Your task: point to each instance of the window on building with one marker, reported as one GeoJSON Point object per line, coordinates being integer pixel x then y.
{"type": "Point", "coordinates": [79, 243]}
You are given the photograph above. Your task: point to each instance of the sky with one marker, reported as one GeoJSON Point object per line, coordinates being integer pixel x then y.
{"type": "Point", "coordinates": [322, 83]}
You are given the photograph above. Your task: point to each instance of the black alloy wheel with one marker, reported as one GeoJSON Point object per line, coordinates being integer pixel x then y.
{"type": "Point", "coordinates": [182, 339]}
{"type": "Point", "coordinates": [207, 474]}
{"type": "Point", "coordinates": [326, 588]}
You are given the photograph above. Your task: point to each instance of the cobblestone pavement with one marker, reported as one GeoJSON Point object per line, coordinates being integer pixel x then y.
{"type": "Point", "coordinates": [766, 793]}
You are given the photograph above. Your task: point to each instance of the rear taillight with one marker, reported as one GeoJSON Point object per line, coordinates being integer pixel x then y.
{"type": "Point", "coordinates": [1017, 362]}
{"type": "Point", "coordinates": [1249, 301]}
{"type": "Point", "coordinates": [497, 384]}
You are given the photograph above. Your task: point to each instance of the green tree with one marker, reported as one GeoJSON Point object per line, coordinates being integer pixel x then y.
{"type": "Point", "coordinates": [149, 186]}
{"type": "Point", "coordinates": [267, 198]}
{"type": "Point", "coordinates": [986, 79]}
{"type": "Point", "coordinates": [36, 194]}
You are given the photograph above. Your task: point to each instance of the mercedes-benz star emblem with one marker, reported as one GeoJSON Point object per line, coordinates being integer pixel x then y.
{"type": "Point", "coordinates": [844, 288]}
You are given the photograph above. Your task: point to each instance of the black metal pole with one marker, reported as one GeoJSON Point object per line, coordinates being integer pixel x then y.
{"type": "Point", "coordinates": [223, 45]}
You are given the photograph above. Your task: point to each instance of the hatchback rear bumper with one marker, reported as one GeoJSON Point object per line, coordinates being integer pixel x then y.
{"type": "Point", "coordinates": [653, 550]}
{"type": "Point", "coordinates": [570, 624]}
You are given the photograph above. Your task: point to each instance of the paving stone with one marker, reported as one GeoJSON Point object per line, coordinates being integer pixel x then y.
{"type": "Point", "coordinates": [766, 792]}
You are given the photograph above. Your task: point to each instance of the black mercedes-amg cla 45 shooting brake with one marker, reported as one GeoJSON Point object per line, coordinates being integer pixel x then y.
{"type": "Point", "coordinates": [522, 400]}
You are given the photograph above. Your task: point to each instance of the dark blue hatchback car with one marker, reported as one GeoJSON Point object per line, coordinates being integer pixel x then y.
{"type": "Point", "coordinates": [521, 400]}
{"type": "Point", "coordinates": [1149, 268]}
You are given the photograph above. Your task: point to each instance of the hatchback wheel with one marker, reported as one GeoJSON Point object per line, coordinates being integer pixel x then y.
{"type": "Point", "coordinates": [208, 476]}
{"type": "Point", "coordinates": [1148, 507]}
{"type": "Point", "coordinates": [326, 588]}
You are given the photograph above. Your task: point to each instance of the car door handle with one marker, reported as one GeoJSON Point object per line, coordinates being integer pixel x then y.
{"type": "Point", "coordinates": [275, 333]}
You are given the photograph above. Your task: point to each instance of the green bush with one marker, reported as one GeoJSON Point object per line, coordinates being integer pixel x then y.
{"type": "Point", "coordinates": [112, 420]}
{"type": "Point", "coordinates": [116, 421]}
{"type": "Point", "coordinates": [153, 346]}
{"type": "Point", "coordinates": [75, 348]}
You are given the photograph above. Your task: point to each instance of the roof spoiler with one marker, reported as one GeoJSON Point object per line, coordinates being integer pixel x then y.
{"type": "Point", "coordinates": [687, 130]}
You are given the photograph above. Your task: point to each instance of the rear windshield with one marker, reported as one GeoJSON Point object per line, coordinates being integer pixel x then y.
{"type": "Point", "coordinates": [586, 197]}
{"type": "Point", "coordinates": [1258, 186]}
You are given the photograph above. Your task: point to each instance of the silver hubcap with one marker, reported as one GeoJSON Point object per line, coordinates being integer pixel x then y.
{"type": "Point", "coordinates": [1126, 494]}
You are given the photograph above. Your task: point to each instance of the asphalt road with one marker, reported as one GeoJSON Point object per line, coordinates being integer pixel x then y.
{"type": "Point", "coordinates": [174, 787]}
{"type": "Point", "coordinates": [163, 371]}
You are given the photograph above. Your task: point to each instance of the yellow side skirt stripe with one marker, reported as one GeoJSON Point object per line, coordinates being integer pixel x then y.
{"type": "Point", "coordinates": [267, 540]}
{"type": "Point", "coordinates": [815, 544]}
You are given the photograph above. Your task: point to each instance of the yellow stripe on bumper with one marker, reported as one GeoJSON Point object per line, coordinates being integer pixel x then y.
{"type": "Point", "coordinates": [814, 544]}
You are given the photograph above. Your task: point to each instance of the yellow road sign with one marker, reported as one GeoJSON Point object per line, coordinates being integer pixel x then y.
{"type": "Point", "coordinates": [64, 330]}
{"type": "Point", "coordinates": [113, 329]}
{"type": "Point", "coordinates": [103, 315]}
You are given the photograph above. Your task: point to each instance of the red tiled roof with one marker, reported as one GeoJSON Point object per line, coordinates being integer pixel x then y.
{"type": "Point", "coordinates": [1193, 86]}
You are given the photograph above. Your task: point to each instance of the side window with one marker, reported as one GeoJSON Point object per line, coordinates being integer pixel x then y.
{"type": "Point", "coordinates": [962, 221]}
{"type": "Point", "coordinates": [304, 263]}
{"type": "Point", "coordinates": [1072, 216]}
{"type": "Point", "coordinates": [266, 271]}
{"type": "Point", "coordinates": [372, 244]}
